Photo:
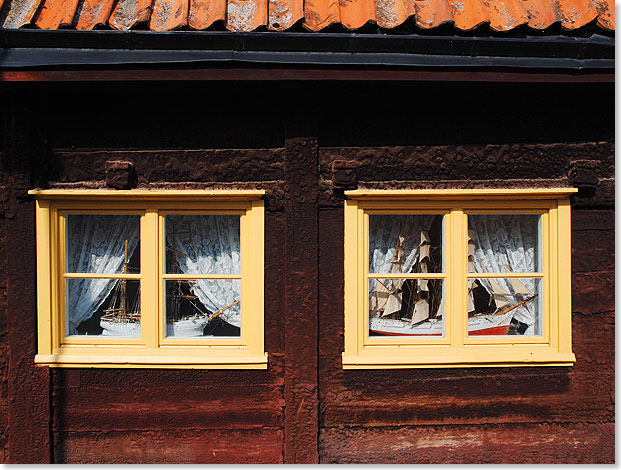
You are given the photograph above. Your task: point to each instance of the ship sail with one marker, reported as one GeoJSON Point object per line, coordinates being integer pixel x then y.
{"type": "Point", "coordinates": [395, 294]}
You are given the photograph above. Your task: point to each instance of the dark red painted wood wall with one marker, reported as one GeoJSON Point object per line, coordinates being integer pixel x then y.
{"type": "Point", "coordinates": [283, 138]}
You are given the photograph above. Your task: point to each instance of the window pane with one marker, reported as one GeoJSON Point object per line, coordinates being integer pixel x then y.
{"type": "Point", "coordinates": [405, 243]}
{"type": "Point", "coordinates": [102, 307]}
{"type": "Point", "coordinates": [102, 244]}
{"type": "Point", "coordinates": [506, 243]}
{"type": "Point", "coordinates": [406, 307]}
{"type": "Point", "coordinates": [203, 307]}
{"type": "Point", "coordinates": [202, 244]}
{"type": "Point", "coordinates": [504, 306]}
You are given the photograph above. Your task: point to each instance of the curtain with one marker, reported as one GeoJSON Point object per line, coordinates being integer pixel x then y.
{"type": "Point", "coordinates": [384, 230]}
{"type": "Point", "coordinates": [508, 241]}
{"type": "Point", "coordinates": [95, 244]}
{"type": "Point", "coordinates": [209, 244]}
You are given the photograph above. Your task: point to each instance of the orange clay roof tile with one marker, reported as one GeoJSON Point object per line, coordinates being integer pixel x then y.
{"type": "Point", "coordinates": [129, 12]}
{"type": "Point", "coordinates": [55, 13]}
{"type": "Point", "coordinates": [432, 13]}
{"type": "Point", "coordinates": [93, 12]}
{"type": "Point", "coordinates": [203, 13]}
{"type": "Point", "coordinates": [284, 13]}
{"type": "Point", "coordinates": [315, 15]}
{"type": "Point", "coordinates": [20, 12]}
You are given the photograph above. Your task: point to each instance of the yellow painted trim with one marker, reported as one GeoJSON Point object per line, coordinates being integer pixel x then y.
{"type": "Point", "coordinates": [460, 194]}
{"type": "Point", "coordinates": [141, 194]}
{"type": "Point", "coordinates": [456, 348]}
{"type": "Point", "coordinates": [151, 349]}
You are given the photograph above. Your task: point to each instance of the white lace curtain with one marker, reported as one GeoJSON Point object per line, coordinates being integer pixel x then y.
{"type": "Point", "coordinates": [508, 241]}
{"type": "Point", "coordinates": [209, 244]}
{"type": "Point", "coordinates": [384, 231]}
{"type": "Point", "coordinates": [95, 244]}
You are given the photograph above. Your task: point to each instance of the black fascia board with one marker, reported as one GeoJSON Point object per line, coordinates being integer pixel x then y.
{"type": "Point", "coordinates": [35, 48]}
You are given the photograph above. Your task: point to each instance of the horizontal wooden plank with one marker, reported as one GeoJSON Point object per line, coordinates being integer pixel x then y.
{"type": "Point", "coordinates": [258, 446]}
{"type": "Point", "coordinates": [157, 409]}
{"type": "Point", "coordinates": [190, 165]}
{"type": "Point", "coordinates": [505, 444]}
{"type": "Point", "coordinates": [593, 250]}
{"type": "Point", "coordinates": [299, 74]}
{"type": "Point", "coordinates": [582, 393]}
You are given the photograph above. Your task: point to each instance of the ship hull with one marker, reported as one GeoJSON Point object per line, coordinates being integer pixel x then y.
{"type": "Point", "coordinates": [182, 328]}
{"type": "Point", "coordinates": [188, 327]}
{"type": "Point", "coordinates": [482, 325]}
{"type": "Point", "coordinates": [125, 329]}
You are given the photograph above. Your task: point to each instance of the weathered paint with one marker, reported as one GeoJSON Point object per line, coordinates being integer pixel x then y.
{"type": "Point", "coordinates": [305, 407]}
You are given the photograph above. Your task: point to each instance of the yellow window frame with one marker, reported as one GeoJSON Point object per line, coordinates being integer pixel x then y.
{"type": "Point", "coordinates": [456, 348]}
{"type": "Point", "coordinates": [152, 349]}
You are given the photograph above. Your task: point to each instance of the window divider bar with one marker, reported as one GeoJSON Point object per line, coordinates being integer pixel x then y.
{"type": "Point", "coordinates": [407, 276]}
{"type": "Point", "coordinates": [101, 276]}
{"type": "Point", "coordinates": [503, 275]}
{"type": "Point", "coordinates": [201, 276]}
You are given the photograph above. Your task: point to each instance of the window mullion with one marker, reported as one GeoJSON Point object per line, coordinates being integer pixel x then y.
{"type": "Point", "coordinates": [150, 278]}
{"type": "Point", "coordinates": [456, 270]}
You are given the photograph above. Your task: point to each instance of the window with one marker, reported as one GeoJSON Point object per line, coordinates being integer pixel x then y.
{"type": "Point", "coordinates": [150, 278]}
{"type": "Point", "coordinates": [456, 278]}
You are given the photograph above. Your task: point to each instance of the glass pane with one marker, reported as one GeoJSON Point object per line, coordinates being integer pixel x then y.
{"type": "Point", "coordinates": [406, 307]}
{"type": "Point", "coordinates": [405, 243]}
{"type": "Point", "coordinates": [202, 244]}
{"type": "Point", "coordinates": [504, 306]}
{"type": "Point", "coordinates": [102, 244]}
{"type": "Point", "coordinates": [203, 307]}
{"type": "Point", "coordinates": [102, 307]}
{"type": "Point", "coordinates": [506, 243]}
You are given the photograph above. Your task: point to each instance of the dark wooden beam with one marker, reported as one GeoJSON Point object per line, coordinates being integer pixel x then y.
{"type": "Point", "coordinates": [294, 74]}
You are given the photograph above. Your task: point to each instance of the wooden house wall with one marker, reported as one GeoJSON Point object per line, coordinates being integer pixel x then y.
{"type": "Point", "coordinates": [284, 138]}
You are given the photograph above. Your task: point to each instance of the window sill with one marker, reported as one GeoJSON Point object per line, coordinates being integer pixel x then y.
{"type": "Point", "coordinates": [152, 361]}
{"type": "Point", "coordinates": [428, 361]}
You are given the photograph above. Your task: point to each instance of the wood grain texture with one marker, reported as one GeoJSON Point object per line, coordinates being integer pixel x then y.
{"type": "Point", "coordinates": [168, 407]}
{"type": "Point", "coordinates": [55, 13]}
{"type": "Point", "coordinates": [531, 443]}
{"type": "Point", "coordinates": [186, 446]}
{"type": "Point", "coordinates": [129, 12]}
